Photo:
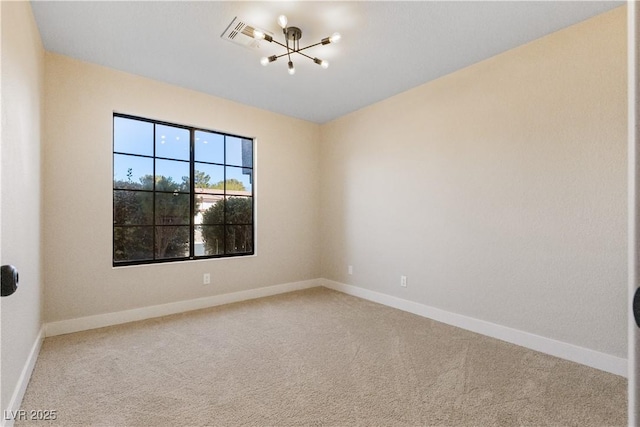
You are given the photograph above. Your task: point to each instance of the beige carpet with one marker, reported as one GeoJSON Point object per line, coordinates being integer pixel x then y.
{"type": "Point", "coordinates": [314, 357]}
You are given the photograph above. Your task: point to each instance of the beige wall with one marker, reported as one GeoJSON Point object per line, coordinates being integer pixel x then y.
{"type": "Point", "coordinates": [22, 93]}
{"type": "Point", "coordinates": [499, 190]}
{"type": "Point", "coordinates": [80, 281]}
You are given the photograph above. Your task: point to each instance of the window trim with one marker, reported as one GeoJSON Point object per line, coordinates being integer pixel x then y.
{"type": "Point", "coordinates": [192, 193]}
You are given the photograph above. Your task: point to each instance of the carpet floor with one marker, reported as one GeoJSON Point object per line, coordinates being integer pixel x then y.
{"type": "Point", "coordinates": [310, 358]}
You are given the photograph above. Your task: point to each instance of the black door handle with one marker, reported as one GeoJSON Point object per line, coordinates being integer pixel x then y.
{"type": "Point", "coordinates": [9, 279]}
{"type": "Point", "coordinates": [636, 306]}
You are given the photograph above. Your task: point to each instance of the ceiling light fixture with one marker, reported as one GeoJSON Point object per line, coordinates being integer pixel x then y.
{"type": "Point", "coordinates": [292, 36]}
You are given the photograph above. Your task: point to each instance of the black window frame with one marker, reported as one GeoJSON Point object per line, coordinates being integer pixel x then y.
{"type": "Point", "coordinates": [192, 193]}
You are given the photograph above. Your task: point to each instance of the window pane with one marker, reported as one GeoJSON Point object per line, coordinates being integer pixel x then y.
{"type": "Point", "coordinates": [172, 175]}
{"type": "Point", "coordinates": [132, 243]}
{"type": "Point", "coordinates": [132, 136]}
{"type": "Point", "coordinates": [239, 180]}
{"type": "Point", "coordinates": [239, 239]}
{"type": "Point", "coordinates": [209, 240]}
{"type": "Point", "coordinates": [132, 172]}
{"type": "Point", "coordinates": [210, 177]}
{"type": "Point", "coordinates": [239, 152]}
{"type": "Point", "coordinates": [209, 209]}
{"type": "Point", "coordinates": [132, 207]}
{"type": "Point", "coordinates": [172, 142]}
{"type": "Point", "coordinates": [172, 208]}
{"type": "Point", "coordinates": [239, 210]}
{"type": "Point", "coordinates": [172, 242]}
{"type": "Point", "coordinates": [209, 147]}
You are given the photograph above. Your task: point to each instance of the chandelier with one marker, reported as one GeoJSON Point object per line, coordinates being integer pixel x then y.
{"type": "Point", "coordinates": [292, 36]}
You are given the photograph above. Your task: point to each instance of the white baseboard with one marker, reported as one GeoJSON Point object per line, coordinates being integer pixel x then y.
{"type": "Point", "coordinates": [602, 361]}
{"type": "Point", "coordinates": [605, 362]}
{"type": "Point", "coordinates": [23, 381]}
{"type": "Point", "coordinates": [110, 319]}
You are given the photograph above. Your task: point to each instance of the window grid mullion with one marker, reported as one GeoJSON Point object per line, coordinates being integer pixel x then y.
{"type": "Point", "coordinates": [224, 197]}
{"type": "Point", "coordinates": [153, 178]}
{"type": "Point", "coordinates": [113, 199]}
{"type": "Point", "coordinates": [192, 188]}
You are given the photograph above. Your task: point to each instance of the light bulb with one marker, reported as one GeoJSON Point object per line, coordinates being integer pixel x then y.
{"type": "Point", "coordinates": [292, 69]}
{"type": "Point", "coordinates": [258, 34]}
{"type": "Point", "coordinates": [282, 21]}
{"type": "Point", "coordinates": [267, 60]}
{"type": "Point", "coordinates": [335, 38]}
{"type": "Point", "coordinates": [321, 62]}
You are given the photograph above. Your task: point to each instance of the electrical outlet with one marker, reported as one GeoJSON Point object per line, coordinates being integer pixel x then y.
{"type": "Point", "coordinates": [350, 269]}
{"type": "Point", "coordinates": [206, 279]}
{"type": "Point", "coordinates": [403, 281]}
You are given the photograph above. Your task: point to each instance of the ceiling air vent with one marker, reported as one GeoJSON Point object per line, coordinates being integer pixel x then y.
{"type": "Point", "coordinates": [239, 32]}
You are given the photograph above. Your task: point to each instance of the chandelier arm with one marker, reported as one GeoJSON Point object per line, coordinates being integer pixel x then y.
{"type": "Point", "coordinates": [304, 54]}
{"type": "Point", "coordinates": [295, 51]}
{"type": "Point", "coordinates": [307, 47]}
{"type": "Point", "coordinates": [288, 48]}
{"type": "Point", "coordinates": [280, 44]}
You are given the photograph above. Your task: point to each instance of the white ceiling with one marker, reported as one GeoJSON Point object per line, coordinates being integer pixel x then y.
{"type": "Point", "coordinates": [386, 47]}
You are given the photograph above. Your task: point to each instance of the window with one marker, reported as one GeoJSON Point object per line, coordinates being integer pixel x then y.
{"type": "Point", "coordinates": [179, 192]}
